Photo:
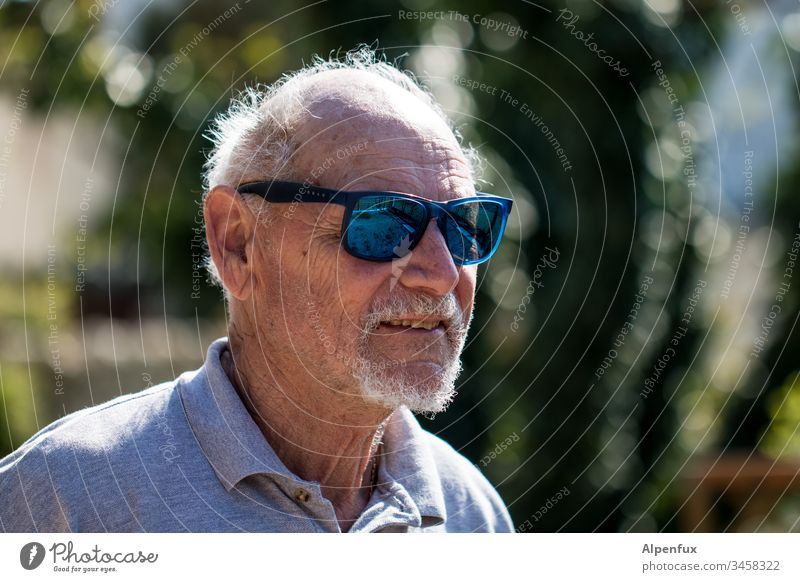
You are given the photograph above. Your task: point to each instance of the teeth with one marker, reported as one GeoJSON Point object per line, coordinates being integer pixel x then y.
{"type": "Point", "coordinates": [417, 324]}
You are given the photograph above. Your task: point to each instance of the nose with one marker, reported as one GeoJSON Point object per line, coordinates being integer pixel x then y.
{"type": "Point", "coordinates": [429, 266]}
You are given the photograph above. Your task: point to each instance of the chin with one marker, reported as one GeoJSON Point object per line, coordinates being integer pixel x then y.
{"type": "Point", "coordinates": [423, 387]}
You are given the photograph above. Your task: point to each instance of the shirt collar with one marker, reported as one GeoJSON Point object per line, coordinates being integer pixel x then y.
{"type": "Point", "coordinates": [228, 435]}
{"type": "Point", "coordinates": [236, 448]}
{"type": "Point", "coordinates": [408, 461]}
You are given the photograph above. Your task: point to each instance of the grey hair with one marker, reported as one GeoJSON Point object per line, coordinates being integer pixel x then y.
{"type": "Point", "coordinates": [254, 137]}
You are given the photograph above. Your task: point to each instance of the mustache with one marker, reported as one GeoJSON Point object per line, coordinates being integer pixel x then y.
{"type": "Point", "coordinates": [445, 308]}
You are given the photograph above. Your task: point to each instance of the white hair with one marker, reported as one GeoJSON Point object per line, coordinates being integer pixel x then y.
{"type": "Point", "coordinates": [253, 139]}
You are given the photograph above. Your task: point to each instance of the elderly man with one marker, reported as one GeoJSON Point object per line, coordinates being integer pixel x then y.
{"type": "Point", "coordinates": [343, 225]}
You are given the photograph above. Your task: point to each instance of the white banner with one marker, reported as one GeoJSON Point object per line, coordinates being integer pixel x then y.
{"type": "Point", "coordinates": [388, 557]}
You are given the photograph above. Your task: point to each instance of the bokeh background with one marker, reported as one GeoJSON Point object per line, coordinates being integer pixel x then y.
{"type": "Point", "coordinates": [633, 362]}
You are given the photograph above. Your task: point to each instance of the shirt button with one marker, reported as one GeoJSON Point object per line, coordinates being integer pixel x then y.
{"type": "Point", "coordinates": [301, 495]}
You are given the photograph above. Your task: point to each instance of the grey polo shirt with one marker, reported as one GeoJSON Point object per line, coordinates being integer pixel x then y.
{"type": "Point", "coordinates": [186, 456]}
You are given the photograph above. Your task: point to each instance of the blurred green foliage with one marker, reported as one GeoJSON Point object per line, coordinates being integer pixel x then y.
{"type": "Point", "coordinates": [782, 438]}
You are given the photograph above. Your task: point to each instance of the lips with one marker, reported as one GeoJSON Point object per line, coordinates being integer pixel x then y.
{"type": "Point", "coordinates": [427, 324]}
{"type": "Point", "coordinates": [416, 337]}
{"type": "Point", "coordinates": [409, 326]}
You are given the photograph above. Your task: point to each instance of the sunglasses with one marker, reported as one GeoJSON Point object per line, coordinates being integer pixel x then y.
{"type": "Point", "coordinates": [384, 226]}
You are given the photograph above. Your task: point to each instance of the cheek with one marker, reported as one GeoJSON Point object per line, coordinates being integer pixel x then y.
{"type": "Point", "coordinates": [465, 290]}
{"type": "Point", "coordinates": [343, 288]}
{"type": "Point", "coordinates": [355, 283]}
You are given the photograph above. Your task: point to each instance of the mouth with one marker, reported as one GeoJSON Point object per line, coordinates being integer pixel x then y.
{"type": "Point", "coordinates": [427, 324]}
{"type": "Point", "coordinates": [409, 327]}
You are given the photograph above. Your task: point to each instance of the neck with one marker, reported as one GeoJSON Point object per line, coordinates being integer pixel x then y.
{"type": "Point", "coordinates": [316, 431]}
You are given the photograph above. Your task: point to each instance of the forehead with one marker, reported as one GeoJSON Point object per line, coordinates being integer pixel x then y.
{"type": "Point", "coordinates": [361, 132]}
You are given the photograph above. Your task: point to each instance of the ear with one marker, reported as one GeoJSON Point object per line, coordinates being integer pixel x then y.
{"type": "Point", "coordinates": [229, 231]}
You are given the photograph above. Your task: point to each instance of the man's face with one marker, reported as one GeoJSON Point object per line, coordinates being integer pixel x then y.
{"type": "Point", "coordinates": [388, 331]}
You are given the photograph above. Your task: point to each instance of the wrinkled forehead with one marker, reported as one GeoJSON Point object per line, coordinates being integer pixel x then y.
{"type": "Point", "coordinates": [361, 132]}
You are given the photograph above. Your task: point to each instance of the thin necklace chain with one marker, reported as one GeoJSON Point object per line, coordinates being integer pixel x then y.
{"type": "Point", "coordinates": [373, 479]}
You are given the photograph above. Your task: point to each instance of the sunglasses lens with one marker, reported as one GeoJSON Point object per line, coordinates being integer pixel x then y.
{"type": "Point", "coordinates": [382, 228]}
{"type": "Point", "coordinates": [472, 229]}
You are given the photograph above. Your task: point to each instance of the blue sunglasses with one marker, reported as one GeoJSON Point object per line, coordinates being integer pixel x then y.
{"type": "Point", "coordinates": [384, 226]}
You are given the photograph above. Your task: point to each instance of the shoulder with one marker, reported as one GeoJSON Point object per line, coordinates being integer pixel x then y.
{"type": "Point", "coordinates": [470, 497]}
{"type": "Point", "coordinates": [99, 427]}
{"type": "Point", "coordinates": [48, 479]}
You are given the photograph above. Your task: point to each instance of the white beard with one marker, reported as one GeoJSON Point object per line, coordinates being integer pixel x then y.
{"type": "Point", "coordinates": [386, 382]}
